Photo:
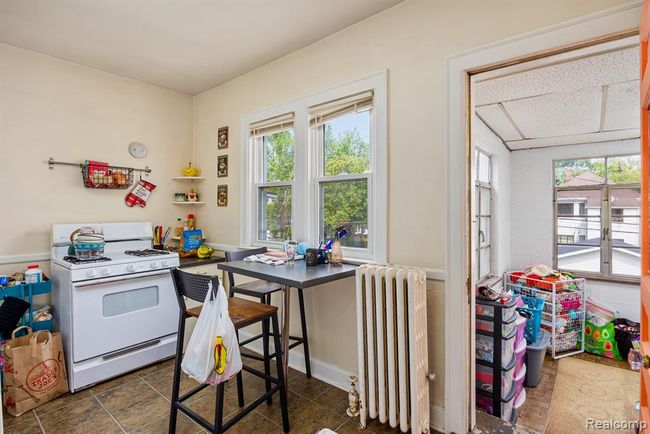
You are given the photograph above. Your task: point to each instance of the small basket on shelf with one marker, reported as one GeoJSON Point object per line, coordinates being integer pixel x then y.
{"type": "Point", "coordinates": [101, 175]}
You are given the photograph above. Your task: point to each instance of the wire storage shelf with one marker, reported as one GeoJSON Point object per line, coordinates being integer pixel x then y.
{"type": "Point", "coordinates": [97, 174]}
{"type": "Point", "coordinates": [563, 314]}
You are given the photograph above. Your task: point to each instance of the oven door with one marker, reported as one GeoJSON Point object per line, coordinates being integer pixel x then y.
{"type": "Point", "coordinates": [124, 312]}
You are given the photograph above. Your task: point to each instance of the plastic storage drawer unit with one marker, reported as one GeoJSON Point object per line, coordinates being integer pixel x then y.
{"type": "Point", "coordinates": [488, 326]}
{"type": "Point", "coordinates": [485, 379]}
{"type": "Point", "coordinates": [505, 405]}
{"type": "Point", "coordinates": [485, 348]}
{"type": "Point", "coordinates": [487, 309]}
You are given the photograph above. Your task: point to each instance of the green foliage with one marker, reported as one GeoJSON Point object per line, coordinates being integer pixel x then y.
{"type": "Point", "coordinates": [344, 203]}
{"type": "Point", "coordinates": [620, 170]}
{"type": "Point", "coordinates": [279, 153]}
{"type": "Point", "coordinates": [276, 201]}
{"type": "Point", "coordinates": [624, 170]}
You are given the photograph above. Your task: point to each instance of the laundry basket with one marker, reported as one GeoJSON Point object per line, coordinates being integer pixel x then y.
{"type": "Point", "coordinates": [534, 306]}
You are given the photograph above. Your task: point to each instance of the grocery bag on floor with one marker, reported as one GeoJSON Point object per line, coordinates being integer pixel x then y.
{"type": "Point", "coordinates": [212, 355]}
{"type": "Point", "coordinates": [34, 370]}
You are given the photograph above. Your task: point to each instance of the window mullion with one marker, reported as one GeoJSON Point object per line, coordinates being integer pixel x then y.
{"type": "Point", "coordinates": [606, 250]}
{"type": "Point", "coordinates": [300, 200]}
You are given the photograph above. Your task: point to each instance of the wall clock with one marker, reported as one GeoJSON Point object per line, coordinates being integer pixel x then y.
{"type": "Point", "coordinates": [137, 150]}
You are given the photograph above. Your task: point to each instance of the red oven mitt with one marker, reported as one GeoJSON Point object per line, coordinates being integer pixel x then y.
{"type": "Point", "coordinates": [139, 194]}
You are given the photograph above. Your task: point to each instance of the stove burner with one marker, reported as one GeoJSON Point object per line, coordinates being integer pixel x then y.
{"type": "Point", "coordinates": [147, 252]}
{"type": "Point", "coordinates": [76, 260]}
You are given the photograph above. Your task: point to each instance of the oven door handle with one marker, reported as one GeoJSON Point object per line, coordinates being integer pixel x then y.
{"type": "Point", "coordinates": [119, 279]}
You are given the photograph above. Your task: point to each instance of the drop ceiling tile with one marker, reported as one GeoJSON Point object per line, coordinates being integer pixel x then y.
{"type": "Point", "coordinates": [558, 114]}
{"type": "Point", "coordinates": [494, 116]}
{"type": "Point", "coordinates": [607, 136]}
{"type": "Point", "coordinates": [611, 67]}
{"type": "Point", "coordinates": [622, 106]}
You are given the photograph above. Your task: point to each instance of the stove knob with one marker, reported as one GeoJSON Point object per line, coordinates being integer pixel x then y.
{"type": "Point", "coordinates": [130, 268]}
{"type": "Point", "coordinates": [105, 271]}
{"type": "Point", "coordinates": [154, 265]}
{"type": "Point", "coordinates": [164, 263]}
{"type": "Point", "coordinates": [91, 273]}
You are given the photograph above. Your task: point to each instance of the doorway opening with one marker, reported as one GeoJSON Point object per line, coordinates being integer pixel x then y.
{"type": "Point", "coordinates": [554, 238]}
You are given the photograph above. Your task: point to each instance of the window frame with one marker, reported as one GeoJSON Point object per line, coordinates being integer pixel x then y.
{"type": "Point", "coordinates": [606, 220]}
{"type": "Point", "coordinates": [308, 166]}
{"type": "Point", "coordinates": [317, 135]}
{"type": "Point", "coordinates": [478, 185]}
{"type": "Point", "coordinates": [259, 183]}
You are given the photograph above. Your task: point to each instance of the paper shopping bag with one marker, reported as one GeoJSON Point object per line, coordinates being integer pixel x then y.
{"type": "Point", "coordinates": [34, 370]}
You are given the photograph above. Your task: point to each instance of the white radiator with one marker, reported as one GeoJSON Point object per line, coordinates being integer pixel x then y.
{"type": "Point", "coordinates": [392, 343]}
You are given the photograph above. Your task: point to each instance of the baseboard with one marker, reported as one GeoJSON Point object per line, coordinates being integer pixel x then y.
{"type": "Point", "coordinates": [437, 414]}
{"type": "Point", "coordinates": [326, 372]}
{"type": "Point", "coordinates": [25, 258]}
{"type": "Point", "coordinates": [335, 376]}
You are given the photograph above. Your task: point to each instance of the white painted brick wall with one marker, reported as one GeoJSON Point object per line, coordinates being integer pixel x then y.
{"type": "Point", "coordinates": [531, 185]}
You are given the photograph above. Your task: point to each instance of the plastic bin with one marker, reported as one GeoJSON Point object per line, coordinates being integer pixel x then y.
{"type": "Point", "coordinates": [485, 349]}
{"type": "Point", "coordinates": [27, 291]}
{"type": "Point", "coordinates": [520, 377]}
{"type": "Point", "coordinates": [485, 403]}
{"type": "Point", "coordinates": [535, 358]}
{"type": "Point", "coordinates": [520, 326]}
{"type": "Point", "coordinates": [520, 356]}
{"type": "Point", "coordinates": [534, 306]}
{"type": "Point", "coordinates": [484, 308]}
{"type": "Point", "coordinates": [484, 379]}
{"type": "Point", "coordinates": [488, 326]}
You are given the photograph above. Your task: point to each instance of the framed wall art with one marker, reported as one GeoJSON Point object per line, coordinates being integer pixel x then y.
{"type": "Point", "coordinates": [222, 138]}
{"type": "Point", "coordinates": [222, 195]}
{"type": "Point", "coordinates": [222, 166]}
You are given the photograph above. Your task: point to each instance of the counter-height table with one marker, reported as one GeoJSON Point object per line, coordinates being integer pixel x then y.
{"type": "Point", "coordinates": [290, 275]}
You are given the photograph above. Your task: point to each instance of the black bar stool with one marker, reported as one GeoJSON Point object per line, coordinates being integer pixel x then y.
{"type": "Point", "coordinates": [242, 313]}
{"type": "Point", "coordinates": [263, 290]}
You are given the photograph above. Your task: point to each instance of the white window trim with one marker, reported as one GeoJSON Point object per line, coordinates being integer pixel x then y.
{"type": "Point", "coordinates": [479, 147]}
{"type": "Point", "coordinates": [305, 203]}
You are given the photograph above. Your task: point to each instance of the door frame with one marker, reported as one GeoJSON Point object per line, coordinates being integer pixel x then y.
{"type": "Point", "coordinates": [460, 415]}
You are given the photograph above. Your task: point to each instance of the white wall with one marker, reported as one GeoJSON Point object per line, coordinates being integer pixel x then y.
{"type": "Point", "coordinates": [500, 160]}
{"type": "Point", "coordinates": [411, 41]}
{"type": "Point", "coordinates": [53, 108]}
{"type": "Point", "coordinates": [532, 181]}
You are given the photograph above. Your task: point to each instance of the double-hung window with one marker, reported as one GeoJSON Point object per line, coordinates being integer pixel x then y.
{"type": "Point", "coordinates": [597, 216]}
{"type": "Point", "coordinates": [341, 140]}
{"type": "Point", "coordinates": [483, 216]}
{"type": "Point", "coordinates": [274, 148]}
{"type": "Point", "coordinates": [317, 165]}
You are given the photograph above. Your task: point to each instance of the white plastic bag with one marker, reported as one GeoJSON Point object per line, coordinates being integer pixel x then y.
{"type": "Point", "coordinates": [212, 355]}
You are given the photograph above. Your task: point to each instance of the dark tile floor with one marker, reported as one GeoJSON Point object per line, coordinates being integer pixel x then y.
{"type": "Point", "coordinates": [535, 412]}
{"type": "Point", "coordinates": [138, 402]}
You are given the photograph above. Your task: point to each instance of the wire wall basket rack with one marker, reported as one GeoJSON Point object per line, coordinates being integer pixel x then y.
{"type": "Point", "coordinates": [102, 175]}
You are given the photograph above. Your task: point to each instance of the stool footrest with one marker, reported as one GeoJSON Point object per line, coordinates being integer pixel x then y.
{"type": "Point", "coordinates": [233, 420]}
{"type": "Point", "coordinates": [193, 392]}
{"type": "Point", "coordinates": [260, 374]}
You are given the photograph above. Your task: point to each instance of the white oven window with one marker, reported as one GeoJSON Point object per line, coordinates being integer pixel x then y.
{"type": "Point", "coordinates": [134, 300]}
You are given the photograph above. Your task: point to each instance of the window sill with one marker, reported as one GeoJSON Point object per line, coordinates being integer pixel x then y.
{"type": "Point", "coordinates": [610, 279]}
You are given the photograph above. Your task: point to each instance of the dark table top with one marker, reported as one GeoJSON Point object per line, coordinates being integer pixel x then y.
{"type": "Point", "coordinates": [297, 275]}
{"type": "Point", "coordinates": [195, 262]}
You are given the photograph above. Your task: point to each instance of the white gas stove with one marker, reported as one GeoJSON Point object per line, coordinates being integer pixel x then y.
{"type": "Point", "coordinates": [119, 312]}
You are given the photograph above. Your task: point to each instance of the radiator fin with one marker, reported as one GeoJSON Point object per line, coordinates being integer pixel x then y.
{"type": "Point", "coordinates": [392, 346]}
